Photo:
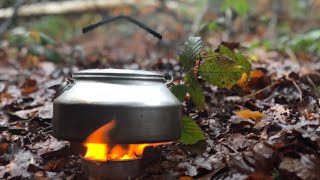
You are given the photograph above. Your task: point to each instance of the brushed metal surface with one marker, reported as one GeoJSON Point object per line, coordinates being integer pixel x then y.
{"type": "Point", "coordinates": [144, 109]}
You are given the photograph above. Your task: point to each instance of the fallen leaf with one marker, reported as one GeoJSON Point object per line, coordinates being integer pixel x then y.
{"type": "Point", "coordinates": [190, 169]}
{"type": "Point", "coordinates": [259, 79]}
{"type": "Point", "coordinates": [5, 98]}
{"type": "Point", "coordinates": [28, 87]}
{"type": "Point", "coordinates": [3, 148]}
{"type": "Point", "coordinates": [17, 168]}
{"type": "Point", "coordinates": [46, 111]}
{"type": "Point", "coordinates": [231, 45]}
{"type": "Point", "coordinates": [243, 82]}
{"type": "Point", "coordinates": [256, 73]}
{"type": "Point", "coordinates": [30, 61]}
{"type": "Point", "coordinates": [35, 35]}
{"type": "Point", "coordinates": [24, 114]}
{"type": "Point", "coordinates": [55, 165]}
{"type": "Point", "coordinates": [185, 178]}
{"type": "Point", "coordinates": [49, 147]}
{"type": "Point", "coordinates": [248, 114]}
{"type": "Point", "coordinates": [307, 167]}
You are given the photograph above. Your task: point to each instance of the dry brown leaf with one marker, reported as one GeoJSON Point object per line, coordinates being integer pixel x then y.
{"type": "Point", "coordinates": [28, 87]}
{"type": "Point", "coordinates": [243, 82]}
{"type": "Point", "coordinates": [30, 61]}
{"type": "Point", "coordinates": [256, 73]}
{"type": "Point", "coordinates": [185, 178]}
{"type": "Point", "coordinates": [35, 35]}
{"type": "Point", "coordinates": [247, 114]}
{"type": "Point", "coordinates": [4, 147]}
{"type": "Point", "coordinates": [5, 98]}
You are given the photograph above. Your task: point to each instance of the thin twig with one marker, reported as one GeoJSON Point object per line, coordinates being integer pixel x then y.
{"type": "Point", "coordinates": [311, 82]}
{"type": "Point", "coordinates": [296, 85]}
{"type": "Point", "coordinates": [259, 91]}
{"type": "Point", "coordinates": [313, 85]}
{"type": "Point", "coordinates": [292, 55]}
{"type": "Point", "coordinates": [298, 88]}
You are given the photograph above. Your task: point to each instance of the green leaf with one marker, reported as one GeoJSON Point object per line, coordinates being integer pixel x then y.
{"type": "Point", "coordinates": [244, 63]}
{"type": "Point", "coordinates": [227, 52]}
{"type": "Point", "coordinates": [45, 39]}
{"type": "Point", "coordinates": [191, 132]}
{"type": "Point", "coordinates": [19, 40]}
{"type": "Point", "coordinates": [53, 56]}
{"type": "Point", "coordinates": [224, 69]}
{"type": "Point", "coordinates": [239, 6]}
{"type": "Point", "coordinates": [195, 91]}
{"type": "Point", "coordinates": [179, 91]}
{"type": "Point", "coordinates": [36, 50]}
{"type": "Point", "coordinates": [57, 27]}
{"type": "Point", "coordinates": [212, 26]}
{"type": "Point", "coordinates": [189, 51]}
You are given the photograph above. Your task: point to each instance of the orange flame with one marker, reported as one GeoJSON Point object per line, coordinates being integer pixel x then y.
{"type": "Point", "coordinates": [99, 151]}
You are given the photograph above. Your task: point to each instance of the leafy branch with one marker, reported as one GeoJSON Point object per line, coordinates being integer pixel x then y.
{"type": "Point", "coordinates": [222, 68]}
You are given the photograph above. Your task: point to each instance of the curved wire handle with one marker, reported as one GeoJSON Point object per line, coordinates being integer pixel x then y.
{"type": "Point", "coordinates": [128, 18]}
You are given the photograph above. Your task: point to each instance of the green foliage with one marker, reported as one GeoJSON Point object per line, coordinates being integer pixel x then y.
{"type": "Point", "coordinates": [36, 50]}
{"type": "Point", "coordinates": [189, 51]}
{"type": "Point", "coordinates": [276, 175]}
{"type": "Point", "coordinates": [195, 91]}
{"type": "Point", "coordinates": [52, 55]}
{"type": "Point", "coordinates": [19, 40]}
{"type": "Point", "coordinates": [239, 6]}
{"type": "Point", "coordinates": [179, 91]}
{"type": "Point", "coordinates": [309, 42]}
{"type": "Point", "coordinates": [57, 27]}
{"type": "Point", "coordinates": [223, 68]}
{"type": "Point", "coordinates": [191, 132]}
{"type": "Point", "coordinates": [45, 39]}
{"type": "Point", "coordinates": [24, 38]}
{"type": "Point", "coordinates": [213, 26]}
{"type": "Point", "coordinates": [38, 44]}
{"type": "Point", "coordinates": [267, 44]}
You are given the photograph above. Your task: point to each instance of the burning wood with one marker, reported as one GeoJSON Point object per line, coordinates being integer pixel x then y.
{"type": "Point", "coordinates": [98, 150]}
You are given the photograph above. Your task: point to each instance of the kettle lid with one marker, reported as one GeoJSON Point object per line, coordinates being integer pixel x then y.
{"type": "Point", "coordinates": [124, 74]}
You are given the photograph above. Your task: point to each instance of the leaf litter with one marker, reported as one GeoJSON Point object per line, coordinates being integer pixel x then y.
{"type": "Point", "coordinates": [265, 127]}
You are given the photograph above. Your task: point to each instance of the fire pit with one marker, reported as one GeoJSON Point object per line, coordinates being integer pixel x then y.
{"type": "Point", "coordinates": [116, 113]}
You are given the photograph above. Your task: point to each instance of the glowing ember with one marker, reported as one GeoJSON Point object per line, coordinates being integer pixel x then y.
{"type": "Point", "coordinates": [98, 151]}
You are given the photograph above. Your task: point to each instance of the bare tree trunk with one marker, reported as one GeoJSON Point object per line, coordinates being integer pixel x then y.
{"type": "Point", "coordinates": [4, 26]}
{"type": "Point", "coordinates": [77, 6]}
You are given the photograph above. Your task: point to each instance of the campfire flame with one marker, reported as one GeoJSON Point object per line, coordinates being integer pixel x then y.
{"type": "Point", "coordinates": [97, 150]}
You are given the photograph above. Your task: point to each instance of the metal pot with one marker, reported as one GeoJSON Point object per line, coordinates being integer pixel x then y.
{"type": "Point", "coordinates": [143, 107]}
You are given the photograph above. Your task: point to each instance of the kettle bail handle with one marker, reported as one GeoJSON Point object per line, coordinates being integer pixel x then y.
{"type": "Point", "coordinates": [60, 88]}
{"type": "Point", "coordinates": [128, 18]}
{"type": "Point", "coordinates": [168, 79]}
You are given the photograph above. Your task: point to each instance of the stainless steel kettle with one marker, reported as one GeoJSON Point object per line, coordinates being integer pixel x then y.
{"type": "Point", "coordinates": [143, 107]}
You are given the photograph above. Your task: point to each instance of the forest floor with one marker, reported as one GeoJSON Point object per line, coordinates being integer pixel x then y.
{"type": "Point", "coordinates": [265, 128]}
